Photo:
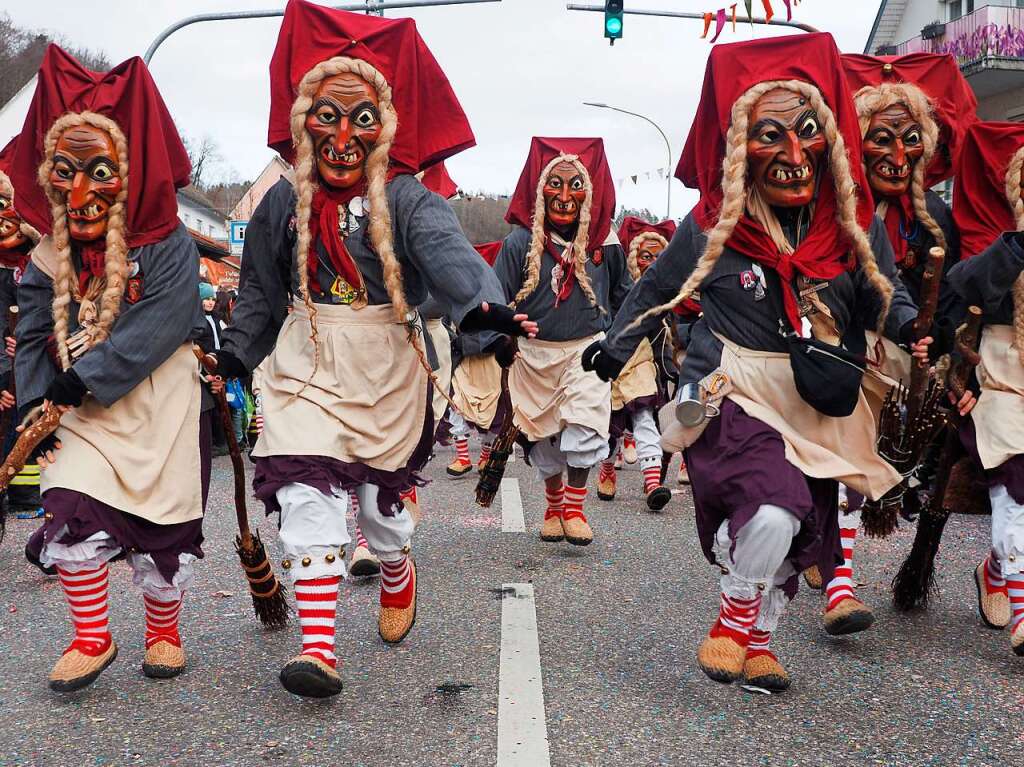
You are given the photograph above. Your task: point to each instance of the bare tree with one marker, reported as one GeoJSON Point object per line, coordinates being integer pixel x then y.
{"type": "Point", "coordinates": [203, 153]}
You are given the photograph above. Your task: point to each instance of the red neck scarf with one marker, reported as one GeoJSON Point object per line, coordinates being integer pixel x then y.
{"type": "Point", "coordinates": [324, 224]}
{"type": "Point", "coordinates": [94, 263]}
{"type": "Point", "coordinates": [899, 219]}
{"type": "Point", "coordinates": [568, 267]}
{"type": "Point", "coordinates": [16, 259]}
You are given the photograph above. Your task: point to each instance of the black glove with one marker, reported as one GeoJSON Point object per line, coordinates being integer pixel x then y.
{"type": "Point", "coordinates": [48, 443]}
{"type": "Point", "coordinates": [498, 318]}
{"type": "Point", "coordinates": [505, 352]}
{"type": "Point", "coordinates": [66, 389]}
{"type": "Point", "coordinates": [229, 366]}
{"type": "Point", "coordinates": [597, 360]}
{"type": "Point", "coordinates": [943, 335]}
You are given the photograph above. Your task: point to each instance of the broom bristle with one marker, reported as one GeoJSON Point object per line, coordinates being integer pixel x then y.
{"type": "Point", "coordinates": [880, 518]}
{"type": "Point", "coordinates": [915, 580]}
{"type": "Point", "coordinates": [268, 593]}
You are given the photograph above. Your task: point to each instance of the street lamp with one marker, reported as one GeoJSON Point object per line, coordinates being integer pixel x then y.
{"type": "Point", "coordinates": [668, 146]}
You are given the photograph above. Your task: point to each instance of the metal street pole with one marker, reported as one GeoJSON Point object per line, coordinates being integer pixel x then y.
{"type": "Point", "coordinates": [695, 16]}
{"type": "Point", "coordinates": [370, 6]}
{"type": "Point", "coordinates": [668, 146]}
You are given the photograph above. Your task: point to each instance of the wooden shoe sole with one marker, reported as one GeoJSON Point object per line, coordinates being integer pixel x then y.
{"type": "Point", "coordinates": [658, 498]}
{"type": "Point", "coordinates": [310, 677]}
{"type": "Point", "coordinates": [389, 613]}
{"type": "Point", "coordinates": [812, 577]}
{"type": "Point", "coordinates": [766, 673]}
{"type": "Point", "coordinates": [721, 659]}
{"type": "Point", "coordinates": [985, 606]}
{"type": "Point", "coordinates": [84, 680]}
{"type": "Point", "coordinates": [456, 473]}
{"type": "Point", "coordinates": [841, 620]}
{"type": "Point", "coordinates": [552, 533]}
{"type": "Point", "coordinates": [363, 567]}
{"type": "Point", "coordinates": [163, 661]}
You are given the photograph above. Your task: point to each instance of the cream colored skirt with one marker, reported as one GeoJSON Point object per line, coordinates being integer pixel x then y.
{"type": "Point", "coordinates": [638, 379]}
{"type": "Point", "coordinates": [476, 389]}
{"type": "Point", "coordinates": [443, 346]}
{"type": "Point", "coordinates": [999, 414]}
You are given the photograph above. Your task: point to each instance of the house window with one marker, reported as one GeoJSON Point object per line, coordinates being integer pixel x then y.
{"type": "Point", "coordinates": [959, 8]}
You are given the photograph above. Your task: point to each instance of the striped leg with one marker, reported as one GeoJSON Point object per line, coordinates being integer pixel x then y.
{"type": "Point", "coordinates": [92, 649]}
{"type": "Point", "coordinates": [313, 673]}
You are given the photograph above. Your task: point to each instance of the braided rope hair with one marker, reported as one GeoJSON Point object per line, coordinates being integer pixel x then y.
{"type": "Point", "coordinates": [871, 100]}
{"type": "Point", "coordinates": [634, 250]}
{"type": "Point", "coordinates": [1013, 196]}
{"type": "Point", "coordinates": [538, 236]}
{"type": "Point", "coordinates": [734, 187]}
{"type": "Point", "coordinates": [379, 227]}
{"type": "Point", "coordinates": [116, 246]}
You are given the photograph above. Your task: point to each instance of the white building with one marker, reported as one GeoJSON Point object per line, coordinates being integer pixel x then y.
{"type": "Point", "coordinates": [985, 36]}
{"type": "Point", "coordinates": [198, 214]}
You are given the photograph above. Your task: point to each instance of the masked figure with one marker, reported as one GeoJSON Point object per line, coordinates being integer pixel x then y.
{"type": "Point", "coordinates": [351, 240]}
{"type": "Point", "coordinates": [989, 209]}
{"type": "Point", "coordinates": [16, 242]}
{"type": "Point", "coordinates": [476, 392]}
{"type": "Point", "coordinates": [642, 387]}
{"type": "Point", "coordinates": [108, 310]}
{"type": "Point", "coordinates": [913, 113]}
{"type": "Point", "coordinates": [562, 264]}
{"type": "Point", "coordinates": [787, 256]}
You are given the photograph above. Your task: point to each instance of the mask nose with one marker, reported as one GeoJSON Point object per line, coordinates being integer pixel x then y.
{"type": "Point", "coordinates": [792, 152]}
{"type": "Point", "coordinates": [342, 137]}
{"type": "Point", "coordinates": [79, 196]}
{"type": "Point", "coordinates": [899, 154]}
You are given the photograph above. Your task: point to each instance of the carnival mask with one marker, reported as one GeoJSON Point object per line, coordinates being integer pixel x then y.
{"type": "Point", "coordinates": [892, 147]}
{"type": "Point", "coordinates": [344, 124]}
{"type": "Point", "coordinates": [11, 237]}
{"type": "Point", "coordinates": [646, 253]}
{"type": "Point", "coordinates": [785, 149]}
{"type": "Point", "coordinates": [564, 195]}
{"type": "Point", "coordinates": [85, 172]}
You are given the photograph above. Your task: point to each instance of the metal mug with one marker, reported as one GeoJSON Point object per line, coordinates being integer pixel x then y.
{"type": "Point", "coordinates": [692, 406]}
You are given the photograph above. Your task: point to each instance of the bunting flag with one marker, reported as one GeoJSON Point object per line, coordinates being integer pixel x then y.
{"type": "Point", "coordinates": [719, 24]}
{"type": "Point", "coordinates": [707, 24]}
{"type": "Point", "coordinates": [733, 9]}
{"type": "Point", "coordinates": [768, 12]}
{"type": "Point", "coordinates": [789, 9]}
{"type": "Point", "coordinates": [750, 11]}
{"type": "Point", "coordinates": [633, 179]}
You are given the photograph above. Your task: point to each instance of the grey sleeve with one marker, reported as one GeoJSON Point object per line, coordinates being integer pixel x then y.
{"type": "Point", "coordinates": [34, 369]}
{"type": "Point", "coordinates": [8, 298]}
{"type": "Point", "coordinates": [659, 285]}
{"type": "Point", "coordinates": [148, 332]}
{"type": "Point", "coordinates": [986, 280]}
{"type": "Point", "coordinates": [903, 310]}
{"type": "Point", "coordinates": [508, 266]}
{"type": "Point", "coordinates": [622, 280]}
{"type": "Point", "coordinates": [433, 242]}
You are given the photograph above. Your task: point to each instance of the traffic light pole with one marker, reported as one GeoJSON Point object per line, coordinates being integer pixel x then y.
{"type": "Point", "coordinates": [369, 6]}
{"type": "Point", "coordinates": [695, 16]}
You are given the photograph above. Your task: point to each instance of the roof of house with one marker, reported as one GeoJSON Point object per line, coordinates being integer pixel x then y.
{"type": "Point", "coordinates": [198, 199]}
{"type": "Point", "coordinates": [209, 247]}
{"type": "Point", "coordinates": [887, 21]}
{"type": "Point", "coordinates": [277, 167]}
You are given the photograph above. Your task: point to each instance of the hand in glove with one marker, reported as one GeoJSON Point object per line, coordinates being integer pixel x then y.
{"type": "Point", "coordinates": [500, 319]}
{"type": "Point", "coordinates": [228, 365]}
{"type": "Point", "coordinates": [66, 389]}
{"type": "Point", "coordinates": [597, 360]}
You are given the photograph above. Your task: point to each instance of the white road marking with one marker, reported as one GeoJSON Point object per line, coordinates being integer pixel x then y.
{"type": "Point", "coordinates": [511, 507]}
{"type": "Point", "coordinates": [522, 726]}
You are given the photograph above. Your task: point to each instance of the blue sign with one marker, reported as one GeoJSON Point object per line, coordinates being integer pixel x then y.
{"type": "Point", "coordinates": [237, 236]}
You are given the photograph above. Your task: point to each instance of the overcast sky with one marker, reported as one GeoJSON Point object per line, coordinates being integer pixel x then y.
{"type": "Point", "coordinates": [519, 67]}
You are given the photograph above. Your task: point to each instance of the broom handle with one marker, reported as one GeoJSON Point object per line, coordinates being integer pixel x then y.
{"type": "Point", "coordinates": [930, 285]}
{"type": "Point", "coordinates": [5, 419]}
{"type": "Point", "coordinates": [209, 362]}
{"type": "Point", "coordinates": [28, 441]}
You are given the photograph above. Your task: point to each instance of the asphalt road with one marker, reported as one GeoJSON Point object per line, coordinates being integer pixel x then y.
{"type": "Point", "coordinates": [618, 626]}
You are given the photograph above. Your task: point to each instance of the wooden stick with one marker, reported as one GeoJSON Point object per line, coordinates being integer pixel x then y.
{"type": "Point", "coordinates": [930, 285]}
{"type": "Point", "coordinates": [8, 415]}
{"type": "Point", "coordinates": [26, 443]}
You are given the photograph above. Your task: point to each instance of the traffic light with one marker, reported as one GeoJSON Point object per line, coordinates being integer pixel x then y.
{"type": "Point", "coordinates": [613, 20]}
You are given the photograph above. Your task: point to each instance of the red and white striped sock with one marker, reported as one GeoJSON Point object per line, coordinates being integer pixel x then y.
{"type": "Point", "coordinates": [994, 575]}
{"type": "Point", "coordinates": [409, 495]}
{"type": "Point", "coordinates": [736, 618]}
{"type": "Point", "coordinates": [556, 501]}
{"type": "Point", "coordinates": [573, 503]}
{"type": "Point", "coordinates": [841, 585]}
{"type": "Point", "coordinates": [86, 595]}
{"type": "Point", "coordinates": [317, 600]}
{"type": "Point", "coordinates": [485, 452]}
{"type": "Point", "coordinates": [1015, 590]}
{"type": "Point", "coordinates": [628, 440]}
{"type": "Point", "coordinates": [361, 539]}
{"type": "Point", "coordinates": [396, 586]}
{"type": "Point", "coordinates": [462, 449]}
{"type": "Point", "coordinates": [162, 621]}
{"type": "Point", "coordinates": [353, 502]}
{"type": "Point", "coordinates": [759, 641]}
{"type": "Point", "coordinates": [607, 470]}
{"type": "Point", "coordinates": [651, 468]}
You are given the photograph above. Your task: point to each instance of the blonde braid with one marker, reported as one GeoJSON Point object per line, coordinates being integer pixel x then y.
{"type": "Point", "coordinates": [873, 99]}
{"type": "Point", "coordinates": [634, 250]}
{"type": "Point", "coordinates": [1013, 196]}
{"type": "Point", "coordinates": [581, 243]}
{"type": "Point", "coordinates": [381, 235]}
{"type": "Point", "coordinates": [116, 259]}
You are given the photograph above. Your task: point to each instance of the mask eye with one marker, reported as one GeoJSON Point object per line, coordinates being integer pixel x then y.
{"type": "Point", "coordinates": [809, 128]}
{"type": "Point", "coordinates": [554, 182]}
{"type": "Point", "coordinates": [4, 203]}
{"type": "Point", "coordinates": [365, 118]}
{"type": "Point", "coordinates": [103, 172]}
{"type": "Point", "coordinates": [577, 184]}
{"type": "Point", "coordinates": [769, 136]}
{"type": "Point", "coordinates": [881, 138]}
{"type": "Point", "coordinates": [64, 171]}
{"type": "Point", "coordinates": [913, 138]}
{"type": "Point", "coordinates": [326, 116]}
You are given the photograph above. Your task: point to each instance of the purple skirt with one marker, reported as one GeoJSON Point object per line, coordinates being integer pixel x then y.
{"type": "Point", "coordinates": [1010, 473]}
{"type": "Point", "coordinates": [739, 464]}
{"type": "Point", "coordinates": [322, 473]}
{"type": "Point", "coordinates": [84, 516]}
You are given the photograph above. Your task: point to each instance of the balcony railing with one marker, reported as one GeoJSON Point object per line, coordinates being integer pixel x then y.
{"type": "Point", "coordinates": [989, 32]}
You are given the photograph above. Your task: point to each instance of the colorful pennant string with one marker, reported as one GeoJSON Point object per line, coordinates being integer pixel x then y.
{"type": "Point", "coordinates": [723, 15]}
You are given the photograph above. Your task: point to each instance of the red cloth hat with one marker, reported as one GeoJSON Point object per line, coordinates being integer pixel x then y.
{"type": "Point", "coordinates": [980, 207]}
{"type": "Point", "coordinates": [632, 226]}
{"type": "Point", "coordinates": [7, 157]}
{"type": "Point", "coordinates": [436, 179]}
{"type": "Point", "coordinates": [489, 251]}
{"type": "Point", "coordinates": [592, 156]}
{"type": "Point", "coordinates": [157, 161]}
{"type": "Point", "coordinates": [939, 77]}
{"type": "Point", "coordinates": [732, 70]}
{"type": "Point", "coordinates": [431, 124]}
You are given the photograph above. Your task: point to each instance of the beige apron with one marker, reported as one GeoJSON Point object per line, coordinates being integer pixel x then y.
{"type": "Point", "coordinates": [550, 389]}
{"type": "Point", "coordinates": [476, 389]}
{"type": "Point", "coordinates": [140, 455]}
{"type": "Point", "coordinates": [999, 414]}
{"type": "Point", "coordinates": [367, 401]}
{"type": "Point", "coordinates": [897, 362]}
{"type": "Point", "coordinates": [820, 446]}
{"type": "Point", "coordinates": [443, 346]}
{"type": "Point", "coordinates": [639, 378]}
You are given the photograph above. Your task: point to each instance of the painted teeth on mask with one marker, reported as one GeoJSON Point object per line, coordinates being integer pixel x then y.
{"type": "Point", "coordinates": [801, 173]}
{"type": "Point", "coordinates": [893, 172]}
{"type": "Point", "coordinates": [348, 157]}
